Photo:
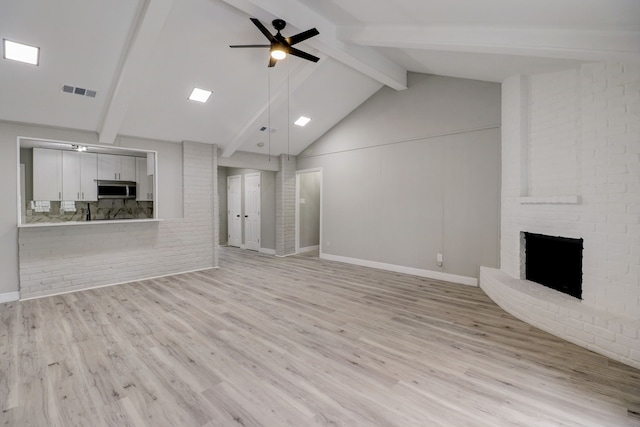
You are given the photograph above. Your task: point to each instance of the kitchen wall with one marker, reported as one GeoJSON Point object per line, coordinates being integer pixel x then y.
{"type": "Point", "coordinates": [66, 258]}
{"type": "Point", "coordinates": [414, 173]}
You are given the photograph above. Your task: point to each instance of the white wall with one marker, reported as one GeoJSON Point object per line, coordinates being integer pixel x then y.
{"type": "Point", "coordinates": [571, 167]}
{"type": "Point", "coordinates": [414, 173]}
{"type": "Point", "coordinates": [65, 258]}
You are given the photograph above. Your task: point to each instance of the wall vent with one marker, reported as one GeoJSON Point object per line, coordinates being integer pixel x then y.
{"type": "Point", "coordinates": [79, 91]}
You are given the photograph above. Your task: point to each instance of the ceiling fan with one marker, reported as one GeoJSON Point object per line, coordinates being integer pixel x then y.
{"type": "Point", "coordinates": [281, 46]}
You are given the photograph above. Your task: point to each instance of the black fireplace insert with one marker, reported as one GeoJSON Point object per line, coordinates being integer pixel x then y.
{"type": "Point", "coordinates": [555, 262]}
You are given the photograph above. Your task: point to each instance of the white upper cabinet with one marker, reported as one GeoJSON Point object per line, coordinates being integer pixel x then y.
{"type": "Point", "coordinates": [144, 180]}
{"type": "Point", "coordinates": [79, 174]}
{"type": "Point", "coordinates": [113, 167]}
{"type": "Point", "coordinates": [89, 176]}
{"type": "Point", "coordinates": [71, 175]}
{"type": "Point", "coordinates": [47, 174]}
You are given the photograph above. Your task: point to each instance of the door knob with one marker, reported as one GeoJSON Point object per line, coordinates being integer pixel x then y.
{"type": "Point", "coordinates": [237, 216]}
{"type": "Point", "coordinates": [246, 216]}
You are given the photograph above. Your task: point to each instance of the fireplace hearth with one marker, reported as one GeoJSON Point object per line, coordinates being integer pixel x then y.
{"type": "Point", "coordinates": [555, 262]}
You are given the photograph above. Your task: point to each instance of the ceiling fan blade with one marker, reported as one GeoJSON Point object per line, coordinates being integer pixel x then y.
{"type": "Point", "coordinates": [304, 55]}
{"type": "Point", "coordinates": [272, 61]}
{"type": "Point", "coordinates": [302, 36]}
{"type": "Point", "coordinates": [263, 29]}
{"type": "Point", "coordinates": [250, 45]}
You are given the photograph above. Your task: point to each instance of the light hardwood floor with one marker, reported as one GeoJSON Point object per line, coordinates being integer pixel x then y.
{"type": "Point", "coordinates": [266, 341]}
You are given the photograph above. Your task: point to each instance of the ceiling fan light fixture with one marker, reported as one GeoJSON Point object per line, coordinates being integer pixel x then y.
{"type": "Point", "coordinates": [278, 54]}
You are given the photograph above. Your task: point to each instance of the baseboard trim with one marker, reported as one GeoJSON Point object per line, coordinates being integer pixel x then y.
{"type": "Point", "coordinates": [267, 251]}
{"type": "Point", "coordinates": [9, 297]}
{"type": "Point", "coordinates": [436, 275]}
{"type": "Point", "coordinates": [308, 249]}
{"type": "Point", "coordinates": [119, 283]}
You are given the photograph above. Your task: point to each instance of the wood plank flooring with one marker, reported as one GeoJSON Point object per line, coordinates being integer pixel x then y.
{"type": "Point", "coordinates": [296, 341]}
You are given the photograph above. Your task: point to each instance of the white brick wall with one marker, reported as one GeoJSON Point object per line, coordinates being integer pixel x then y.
{"type": "Point", "coordinates": [285, 206]}
{"type": "Point", "coordinates": [62, 259]}
{"type": "Point", "coordinates": [553, 139]}
{"type": "Point", "coordinates": [581, 138]}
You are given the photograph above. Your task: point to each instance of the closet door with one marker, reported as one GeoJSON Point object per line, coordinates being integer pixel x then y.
{"type": "Point", "coordinates": [252, 211]}
{"type": "Point", "coordinates": [234, 203]}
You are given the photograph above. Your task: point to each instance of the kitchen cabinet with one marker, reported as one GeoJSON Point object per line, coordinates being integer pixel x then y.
{"type": "Point", "coordinates": [113, 167]}
{"type": "Point", "coordinates": [144, 180]}
{"type": "Point", "coordinates": [47, 174]}
{"type": "Point", "coordinates": [79, 174]}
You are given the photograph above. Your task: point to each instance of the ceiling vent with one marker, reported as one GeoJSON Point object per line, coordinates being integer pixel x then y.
{"type": "Point", "coordinates": [79, 91]}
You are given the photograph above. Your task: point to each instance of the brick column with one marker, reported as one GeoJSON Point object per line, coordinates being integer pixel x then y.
{"type": "Point", "coordinates": [285, 206]}
{"type": "Point", "coordinates": [216, 205]}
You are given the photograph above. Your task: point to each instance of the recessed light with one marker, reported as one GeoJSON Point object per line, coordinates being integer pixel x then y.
{"type": "Point", "coordinates": [200, 95]}
{"type": "Point", "coordinates": [302, 121]}
{"type": "Point", "coordinates": [21, 52]}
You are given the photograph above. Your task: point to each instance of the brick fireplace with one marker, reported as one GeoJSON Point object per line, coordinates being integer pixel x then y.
{"type": "Point", "coordinates": [571, 168]}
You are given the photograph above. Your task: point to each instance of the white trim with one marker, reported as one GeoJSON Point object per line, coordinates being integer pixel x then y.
{"type": "Point", "coordinates": [550, 200]}
{"type": "Point", "coordinates": [297, 214]}
{"type": "Point", "coordinates": [308, 249]}
{"type": "Point", "coordinates": [119, 283]}
{"type": "Point", "coordinates": [267, 251]}
{"type": "Point", "coordinates": [9, 297]}
{"type": "Point", "coordinates": [436, 275]}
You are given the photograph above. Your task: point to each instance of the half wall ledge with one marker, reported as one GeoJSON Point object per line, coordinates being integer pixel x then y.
{"type": "Point", "coordinates": [616, 337]}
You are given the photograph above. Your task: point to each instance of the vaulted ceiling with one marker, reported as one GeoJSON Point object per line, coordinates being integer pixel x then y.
{"type": "Point", "coordinates": [143, 58]}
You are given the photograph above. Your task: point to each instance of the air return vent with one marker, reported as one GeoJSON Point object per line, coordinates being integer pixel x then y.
{"type": "Point", "coordinates": [79, 91]}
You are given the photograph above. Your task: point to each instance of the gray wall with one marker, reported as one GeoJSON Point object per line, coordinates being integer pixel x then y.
{"type": "Point", "coordinates": [309, 210]}
{"type": "Point", "coordinates": [170, 186]}
{"type": "Point", "coordinates": [414, 173]}
{"type": "Point", "coordinates": [267, 204]}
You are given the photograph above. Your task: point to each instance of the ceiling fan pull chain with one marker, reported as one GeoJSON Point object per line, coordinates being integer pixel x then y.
{"type": "Point", "coordinates": [288, 106]}
{"type": "Point", "coordinates": [269, 109]}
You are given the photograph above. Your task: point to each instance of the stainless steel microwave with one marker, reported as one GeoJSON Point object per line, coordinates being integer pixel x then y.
{"type": "Point", "coordinates": [116, 190]}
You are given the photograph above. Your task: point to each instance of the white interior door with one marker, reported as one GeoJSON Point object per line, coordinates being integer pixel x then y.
{"type": "Point", "coordinates": [252, 211]}
{"type": "Point", "coordinates": [234, 214]}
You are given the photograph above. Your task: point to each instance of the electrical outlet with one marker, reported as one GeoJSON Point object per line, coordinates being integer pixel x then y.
{"type": "Point", "coordinates": [439, 259]}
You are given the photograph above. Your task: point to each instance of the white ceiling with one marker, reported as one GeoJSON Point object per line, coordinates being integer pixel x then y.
{"type": "Point", "coordinates": [144, 57]}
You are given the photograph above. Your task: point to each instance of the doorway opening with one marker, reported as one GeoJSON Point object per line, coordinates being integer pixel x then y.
{"type": "Point", "coordinates": [309, 211]}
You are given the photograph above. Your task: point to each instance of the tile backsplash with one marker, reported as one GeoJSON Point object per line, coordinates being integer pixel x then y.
{"type": "Point", "coordinates": [70, 211]}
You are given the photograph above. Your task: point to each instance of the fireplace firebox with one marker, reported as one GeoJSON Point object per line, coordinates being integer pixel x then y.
{"type": "Point", "coordinates": [555, 262]}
